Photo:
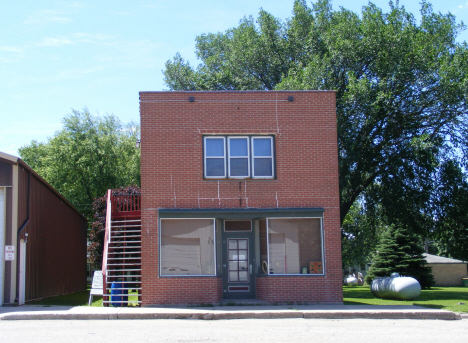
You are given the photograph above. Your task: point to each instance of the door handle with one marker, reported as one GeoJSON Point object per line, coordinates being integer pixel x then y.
{"type": "Point", "coordinates": [250, 268]}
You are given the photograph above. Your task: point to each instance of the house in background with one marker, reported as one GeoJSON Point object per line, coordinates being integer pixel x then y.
{"type": "Point", "coordinates": [240, 200]}
{"type": "Point", "coordinates": [42, 237]}
{"type": "Point", "coordinates": [448, 272]}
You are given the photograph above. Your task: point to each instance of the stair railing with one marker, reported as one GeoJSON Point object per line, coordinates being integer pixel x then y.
{"type": "Point", "coordinates": [107, 236]}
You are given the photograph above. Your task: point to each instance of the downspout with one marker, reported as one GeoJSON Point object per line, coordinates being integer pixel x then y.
{"type": "Point", "coordinates": [26, 221]}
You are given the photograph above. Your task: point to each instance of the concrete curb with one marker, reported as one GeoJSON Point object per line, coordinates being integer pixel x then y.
{"type": "Point", "coordinates": [211, 315]}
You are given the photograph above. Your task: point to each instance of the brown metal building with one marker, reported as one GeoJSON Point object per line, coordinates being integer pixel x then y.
{"type": "Point", "coordinates": [43, 237]}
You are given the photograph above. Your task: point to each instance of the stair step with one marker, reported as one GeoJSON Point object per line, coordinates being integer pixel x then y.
{"type": "Point", "coordinates": [125, 242]}
{"type": "Point", "coordinates": [126, 236]}
{"type": "Point", "coordinates": [129, 288]}
{"type": "Point", "coordinates": [125, 220]}
{"type": "Point", "coordinates": [110, 282]}
{"type": "Point", "coordinates": [120, 301]}
{"type": "Point", "coordinates": [125, 252]}
{"type": "Point", "coordinates": [125, 231]}
{"type": "Point", "coordinates": [123, 227]}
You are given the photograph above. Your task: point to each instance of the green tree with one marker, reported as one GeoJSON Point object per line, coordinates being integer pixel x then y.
{"type": "Point", "coordinates": [449, 232]}
{"type": "Point", "coordinates": [401, 90]}
{"type": "Point", "coordinates": [399, 251]}
{"type": "Point", "coordinates": [88, 156]}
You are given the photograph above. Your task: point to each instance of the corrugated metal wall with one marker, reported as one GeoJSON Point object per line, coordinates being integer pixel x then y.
{"type": "Point", "coordinates": [56, 248]}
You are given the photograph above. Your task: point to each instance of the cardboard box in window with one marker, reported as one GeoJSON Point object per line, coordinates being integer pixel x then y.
{"type": "Point", "coordinates": [315, 267]}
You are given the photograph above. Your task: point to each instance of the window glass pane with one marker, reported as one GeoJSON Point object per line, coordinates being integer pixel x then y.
{"type": "Point", "coordinates": [214, 147]}
{"type": "Point", "coordinates": [243, 276]}
{"type": "Point", "coordinates": [233, 265]}
{"type": "Point", "coordinates": [263, 167]}
{"type": "Point", "coordinates": [187, 247]}
{"type": "Point", "coordinates": [262, 146]}
{"type": "Point", "coordinates": [215, 167]}
{"type": "Point", "coordinates": [238, 147]}
{"type": "Point", "coordinates": [295, 244]}
{"type": "Point", "coordinates": [239, 167]}
{"type": "Point", "coordinates": [243, 265]}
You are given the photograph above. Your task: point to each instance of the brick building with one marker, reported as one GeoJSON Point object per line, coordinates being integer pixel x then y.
{"type": "Point", "coordinates": [240, 197]}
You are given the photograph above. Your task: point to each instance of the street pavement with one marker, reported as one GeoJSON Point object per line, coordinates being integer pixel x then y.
{"type": "Point", "coordinates": [28, 312]}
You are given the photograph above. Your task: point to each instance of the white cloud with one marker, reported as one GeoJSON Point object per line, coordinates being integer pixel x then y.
{"type": "Point", "coordinates": [15, 49]}
{"type": "Point", "coordinates": [123, 13]}
{"type": "Point", "coordinates": [49, 41]}
{"type": "Point", "coordinates": [75, 4]}
{"type": "Point", "coordinates": [47, 16]}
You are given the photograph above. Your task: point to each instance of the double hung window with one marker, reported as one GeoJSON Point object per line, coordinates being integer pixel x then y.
{"type": "Point", "coordinates": [238, 157]}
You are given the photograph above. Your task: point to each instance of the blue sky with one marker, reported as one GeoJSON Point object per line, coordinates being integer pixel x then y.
{"type": "Point", "coordinates": [61, 55]}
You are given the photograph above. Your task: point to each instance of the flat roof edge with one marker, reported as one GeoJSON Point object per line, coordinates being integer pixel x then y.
{"type": "Point", "coordinates": [240, 91]}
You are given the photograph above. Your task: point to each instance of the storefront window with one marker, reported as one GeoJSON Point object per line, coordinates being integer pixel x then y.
{"type": "Point", "coordinates": [294, 246]}
{"type": "Point", "coordinates": [187, 247]}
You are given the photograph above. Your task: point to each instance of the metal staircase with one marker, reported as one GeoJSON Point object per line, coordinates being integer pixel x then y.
{"type": "Point", "coordinates": [122, 251]}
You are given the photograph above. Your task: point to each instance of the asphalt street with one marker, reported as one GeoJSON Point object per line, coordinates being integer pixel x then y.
{"type": "Point", "coordinates": [238, 330]}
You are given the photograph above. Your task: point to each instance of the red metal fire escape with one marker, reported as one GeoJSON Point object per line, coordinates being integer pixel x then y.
{"type": "Point", "coordinates": [121, 265]}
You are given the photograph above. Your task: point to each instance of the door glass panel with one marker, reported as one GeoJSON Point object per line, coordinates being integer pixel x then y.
{"type": "Point", "coordinates": [238, 260]}
{"type": "Point", "coordinates": [232, 244]}
{"type": "Point", "coordinates": [243, 255]}
{"type": "Point", "coordinates": [233, 255]}
{"type": "Point", "coordinates": [233, 276]}
{"type": "Point", "coordinates": [242, 244]}
{"type": "Point", "coordinates": [243, 276]}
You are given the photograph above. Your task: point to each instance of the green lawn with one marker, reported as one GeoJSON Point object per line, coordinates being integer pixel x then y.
{"type": "Point", "coordinates": [76, 299]}
{"type": "Point", "coordinates": [447, 298]}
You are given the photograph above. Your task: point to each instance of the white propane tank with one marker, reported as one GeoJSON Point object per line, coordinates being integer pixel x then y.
{"type": "Point", "coordinates": [396, 287]}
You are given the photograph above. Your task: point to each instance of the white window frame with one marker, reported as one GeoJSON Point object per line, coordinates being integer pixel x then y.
{"type": "Point", "coordinates": [322, 246]}
{"type": "Point", "coordinates": [193, 275]}
{"type": "Point", "coordinates": [247, 138]}
{"type": "Point", "coordinates": [250, 157]}
{"type": "Point", "coordinates": [207, 157]}
{"type": "Point", "coordinates": [271, 156]}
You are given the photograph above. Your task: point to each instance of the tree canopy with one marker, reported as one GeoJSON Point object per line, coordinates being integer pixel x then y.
{"type": "Point", "coordinates": [402, 89]}
{"type": "Point", "coordinates": [88, 156]}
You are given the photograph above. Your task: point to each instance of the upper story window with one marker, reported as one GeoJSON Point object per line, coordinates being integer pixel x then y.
{"type": "Point", "coordinates": [238, 157]}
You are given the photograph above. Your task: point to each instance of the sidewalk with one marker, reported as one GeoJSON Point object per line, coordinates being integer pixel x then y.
{"type": "Point", "coordinates": [227, 312]}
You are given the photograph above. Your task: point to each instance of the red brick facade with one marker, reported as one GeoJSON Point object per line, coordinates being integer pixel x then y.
{"type": "Point", "coordinates": [306, 162]}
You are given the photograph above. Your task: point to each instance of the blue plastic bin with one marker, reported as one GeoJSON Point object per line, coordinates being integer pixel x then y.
{"type": "Point", "coordinates": [118, 295]}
